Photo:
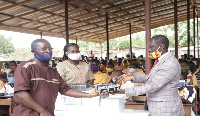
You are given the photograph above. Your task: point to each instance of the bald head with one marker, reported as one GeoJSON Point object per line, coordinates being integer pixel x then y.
{"type": "Point", "coordinates": [34, 44]}
{"type": "Point", "coordinates": [161, 39]}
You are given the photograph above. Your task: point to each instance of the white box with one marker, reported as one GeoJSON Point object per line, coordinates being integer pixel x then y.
{"type": "Point", "coordinates": [112, 104]}
{"type": "Point", "coordinates": [76, 109]}
{"type": "Point", "coordinates": [59, 105]}
{"type": "Point", "coordinates": [72, 101]}
{"type": "Point", "coordinates": [94, 101]}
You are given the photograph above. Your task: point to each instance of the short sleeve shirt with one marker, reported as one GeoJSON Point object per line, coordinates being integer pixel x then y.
{"type": "Point", "coordinates": [43, 84]}
{"type": "Point", "coordinates": [80, 73]}
{"type": "Point", "coordinates": [100, 77]}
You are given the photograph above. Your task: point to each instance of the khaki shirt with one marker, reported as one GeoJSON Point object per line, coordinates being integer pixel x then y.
{"type": "Point", "coordinates": [74, 74]}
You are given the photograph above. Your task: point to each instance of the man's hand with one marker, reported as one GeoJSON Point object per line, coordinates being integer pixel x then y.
{"type": "Point", "coordinates": [122, 91]}
{"type": "Point", "coordinates": [124, 78]}
{"type": "Point", "coordinates": [93, 94]}
{"type": "Point", "coordinates": [44, 112]}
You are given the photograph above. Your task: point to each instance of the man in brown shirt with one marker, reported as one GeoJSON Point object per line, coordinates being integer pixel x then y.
{"type": "Point", "coordinates": [37, 85]}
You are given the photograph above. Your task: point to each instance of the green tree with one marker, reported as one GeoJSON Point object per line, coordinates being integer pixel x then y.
{"type": "Point", "coordinates": [6, 47]}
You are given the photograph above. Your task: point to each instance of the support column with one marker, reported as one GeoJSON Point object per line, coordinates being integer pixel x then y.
{"type": "Point", "coordinates": [40, 35]}
{"type": "Point", "coordinates": [107, 36]}
{"type": "Point", "coordinates": [197, 37]}
{"type": "Point", "coordinates": [148, 33]}
{"type": "Point", "coordinates": [131, 55]}
{"type": "Point", "coordinates": [188, 27]}
{"type": "Point", "coordinates": [176, 28]}
{"type": "Point", "coordinates": [76, 40]}
{"type": "Point", "coordinates": [101, 47]}
{"type": "Point", "coordinates": [194, 31]}
{"type": "Point", "coordinates": [66, 22]}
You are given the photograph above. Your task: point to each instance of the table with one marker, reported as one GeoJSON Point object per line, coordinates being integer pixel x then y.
{"type": "Point", "coordinates": [140, 106]}
{"type": "Point", "coordinates": [7, 101]}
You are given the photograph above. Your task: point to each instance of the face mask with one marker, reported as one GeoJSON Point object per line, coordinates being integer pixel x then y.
{"type": "Point", "coordinates": [155, 55]}
{"type": "Point", "coordinates": [109, 69]}
{"type": "Point", "coordinates": [94, 68]}
{"type": "Point", "coordinates": [11, 80]}
{"type": "Point", "coordinates": [75, 56]}
{"type": "Point", "coordinates": [131, 70]}
{"type": "Point", "coordinates": [43, 57]}
{"type": "Point", "coordinates": [184, 69]}
{"type": "Point", "coordinates": [187, 81]}
{"type": "Point", "coordinates": [181, 83]}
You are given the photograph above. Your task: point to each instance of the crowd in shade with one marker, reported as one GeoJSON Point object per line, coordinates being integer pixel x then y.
{"type": "Point", "coordinates": [76, 68]}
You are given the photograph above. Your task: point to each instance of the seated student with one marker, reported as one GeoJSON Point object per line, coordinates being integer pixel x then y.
{"type": "Point", "coordinates": [187, 93]}
{"type": "Point", "coordinates": [6, 88]}
{"type": "Point", "coordinates": [109, 68]}
{"type": "Point", "coordinates": [191, 77]}
{"type": "Point", "coordinates": [102, 66]}
{"type": "Point", "coordinates": [134, 68]}
{"type": "Point", "coordinates": [98, 75]}
{"type": "Point", "coordinates": [119, 65]}
{"type": "Point", "coordinates": [11, 79]}
{"type": "Point", "coordinates": [125, 63]}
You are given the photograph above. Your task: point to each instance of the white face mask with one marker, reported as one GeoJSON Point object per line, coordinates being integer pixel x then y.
{"type": "Point", "coordinates": [75, 56]}
{"type": "Point", "coordinates": [187, 81]}
{"type": "Point", "coordinates": [131, 70]}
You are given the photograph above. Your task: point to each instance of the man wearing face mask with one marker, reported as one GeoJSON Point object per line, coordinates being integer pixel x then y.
{"type": "Point", "coordinates": [72, 70]}
{"type": "Point", "coordinates": [37, 85]}
{"type": "Point", "coordinates": [161, 85]}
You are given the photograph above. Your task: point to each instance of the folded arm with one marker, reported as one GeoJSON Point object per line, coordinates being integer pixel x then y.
{"type": "Point", "coordinates": [28, 101]}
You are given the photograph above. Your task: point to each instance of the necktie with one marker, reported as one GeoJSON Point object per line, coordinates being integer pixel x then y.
{"type": "Point", "coordinates": [155, 62]}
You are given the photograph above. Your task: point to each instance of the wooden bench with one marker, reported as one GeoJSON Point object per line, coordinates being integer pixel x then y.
{"type": "Point", "coordinates": [7, 101]}
{"type": "Point", "coordinates": [140, 106]}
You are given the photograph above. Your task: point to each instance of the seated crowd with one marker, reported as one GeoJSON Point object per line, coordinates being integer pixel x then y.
{"type": "Point", "coordinates": [96, 71]}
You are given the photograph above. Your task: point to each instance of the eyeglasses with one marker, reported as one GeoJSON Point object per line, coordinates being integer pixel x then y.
{"type": "Point", "coordinates": [45, 49]}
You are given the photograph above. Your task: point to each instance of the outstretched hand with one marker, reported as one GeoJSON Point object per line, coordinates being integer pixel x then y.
{"type": "Point", "coordinates": [124, 78]}
{"type": "Point", "coordinates": [93, 94]}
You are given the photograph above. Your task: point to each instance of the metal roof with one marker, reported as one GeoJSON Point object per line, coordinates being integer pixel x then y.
{"type": "Point", "coordinates": [87, 19]}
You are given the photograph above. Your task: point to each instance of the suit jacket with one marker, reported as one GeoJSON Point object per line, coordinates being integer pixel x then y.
{"type": "Point", "coordinates": [161, 87]}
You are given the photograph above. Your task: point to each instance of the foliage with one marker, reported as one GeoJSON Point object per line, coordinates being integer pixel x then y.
{"type": "Point", "coordinates": [6, 47]}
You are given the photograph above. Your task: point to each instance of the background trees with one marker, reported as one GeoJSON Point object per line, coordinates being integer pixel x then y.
{"type": "Point", "coordinates": [6, 47]}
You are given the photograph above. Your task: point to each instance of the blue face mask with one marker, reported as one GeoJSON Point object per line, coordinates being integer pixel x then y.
{"type": "Point", "coordinates": [181, 83]}
{"type": "Point", "coordinates": [11, 80]}
{"type": "Point", "coordinates": [43, 57]}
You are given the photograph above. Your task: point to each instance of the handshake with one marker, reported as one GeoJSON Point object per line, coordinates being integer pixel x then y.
{"type": "Point", "coordinates": [124, 78]}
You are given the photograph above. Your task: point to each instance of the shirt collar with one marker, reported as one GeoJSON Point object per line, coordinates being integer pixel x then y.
{"type": "Point", "coordinates": [162, 56]}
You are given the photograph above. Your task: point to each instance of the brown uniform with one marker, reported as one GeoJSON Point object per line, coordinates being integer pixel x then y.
{"type": "Point", "coordinates": [43, 84]}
